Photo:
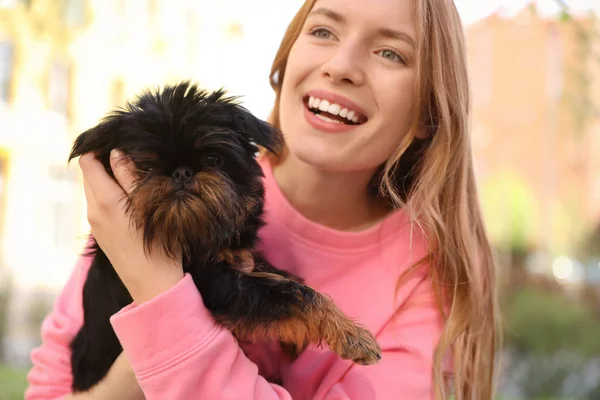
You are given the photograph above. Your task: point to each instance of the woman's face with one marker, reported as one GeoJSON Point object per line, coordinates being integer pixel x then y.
{"type": "Point", "coordinates": [348, 92]}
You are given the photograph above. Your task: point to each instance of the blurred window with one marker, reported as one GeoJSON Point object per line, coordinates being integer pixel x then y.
{"type": "Point", "coordinates": [63, 207]}
{"type": "Point", "coordinates": [554, 77]}
{"type": "Point", "coordinates": [482, 55]}
{"type": "Point", "coordinates": [3, 197]}
{"type": "Point", "coordinates": [74, 12]}
{"type": "Point", "coordinates": [6, 69]}
{"type": "Point", "coordinates": [59, 87]}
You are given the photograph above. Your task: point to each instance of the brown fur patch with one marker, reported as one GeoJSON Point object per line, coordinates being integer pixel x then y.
{"type": "Point", "coordinates": [269, 275]}
{"type": "Point", "coordinates": [241, 260]}
{"type": "Point", "coordinates": [167, 218]}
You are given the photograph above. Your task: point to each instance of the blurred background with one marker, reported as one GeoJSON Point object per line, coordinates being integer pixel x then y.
{"type": "Point", "coordinates": [535, 72]}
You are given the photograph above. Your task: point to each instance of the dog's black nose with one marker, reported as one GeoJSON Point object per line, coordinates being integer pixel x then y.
{"type": "Point", "coordinates": [183, 175]}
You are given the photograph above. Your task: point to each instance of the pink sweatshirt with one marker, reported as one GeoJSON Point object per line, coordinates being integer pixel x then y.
{"type": "Point", "coordinates": [178, 352]}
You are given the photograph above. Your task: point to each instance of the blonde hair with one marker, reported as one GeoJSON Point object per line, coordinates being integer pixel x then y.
{"type": "Point", "coordinates": [434, 180]}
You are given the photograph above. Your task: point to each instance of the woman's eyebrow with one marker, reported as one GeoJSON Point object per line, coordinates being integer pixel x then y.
{"type": "Point", "coordinates": [329, 14]}
{"type": "Point", "coordinates": [397, 35]}
{"type": "Point", "coordinates": [385, 32]}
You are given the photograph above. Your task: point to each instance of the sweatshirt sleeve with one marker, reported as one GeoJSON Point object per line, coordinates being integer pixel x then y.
{"type": "Point", "coordinates": [178, 352]}
{"type": "Point", "coordinates": [184, 354]}
{"type": "Point", "coordinates": [50, 376]}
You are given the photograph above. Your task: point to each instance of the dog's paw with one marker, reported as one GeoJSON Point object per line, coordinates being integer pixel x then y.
{"type": "Point", "coordinates": [360, 346]}
{"type": "Point", "coordinates": [357, 344]}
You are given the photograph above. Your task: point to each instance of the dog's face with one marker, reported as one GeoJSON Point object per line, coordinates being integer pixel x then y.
{"type": "Point", "coordinates": [198, 180]}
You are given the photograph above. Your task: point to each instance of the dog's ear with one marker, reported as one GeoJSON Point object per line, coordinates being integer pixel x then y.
{"type": "Point", "coordinates": [99, 139]}
{"type": "Point", "coordinates": [260, 132]}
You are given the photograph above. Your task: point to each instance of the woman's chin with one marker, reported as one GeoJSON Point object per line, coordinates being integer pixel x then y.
{"type": "Point", "coordinates": [323, 157]}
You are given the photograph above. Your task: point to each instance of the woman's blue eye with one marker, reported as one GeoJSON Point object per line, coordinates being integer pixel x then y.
{"type": "Point", "coordinates": [321, 33]}
{"type": "Point", "coordinates": [391, 55]}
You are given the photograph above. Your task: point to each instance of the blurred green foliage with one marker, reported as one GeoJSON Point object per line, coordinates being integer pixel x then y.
{"type": "Point", "coordinates": [12, 383]}
{"type": "Point", "coordinates": [511, 211]}
{"type": "Point", "coordinates": [537, 322]}
{"type": "Point", "coordinates": [551, 342]}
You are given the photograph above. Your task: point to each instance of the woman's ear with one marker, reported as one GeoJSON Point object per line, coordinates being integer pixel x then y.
{"type": "Point", "coordinates": [426, 129]}
{"type": "Point", "coordinates": [423, 132]}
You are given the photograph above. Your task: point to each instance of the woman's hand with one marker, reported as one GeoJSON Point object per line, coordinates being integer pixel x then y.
{"type": "Point", "coordinates": [144, 276]}
{"type": "Point", "coordinates": [119, 383]}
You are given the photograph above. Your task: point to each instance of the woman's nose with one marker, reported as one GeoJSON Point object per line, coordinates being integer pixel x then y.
{"type": "Point", "coordinates": [344, 66]}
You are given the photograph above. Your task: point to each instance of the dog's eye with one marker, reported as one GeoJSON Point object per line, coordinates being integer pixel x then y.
{"type": "Point", "coordinates": [213, 160]}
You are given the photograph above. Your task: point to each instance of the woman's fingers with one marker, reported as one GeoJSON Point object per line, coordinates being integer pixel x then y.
{"type": "Point", "coordinates": [105, 191]}
{"type": "Point", "coordinates": [89, 197]}
{"type": "Point", "coordinates": [89, 194]}
{"type": "Point", "coordinates": [122, 168]}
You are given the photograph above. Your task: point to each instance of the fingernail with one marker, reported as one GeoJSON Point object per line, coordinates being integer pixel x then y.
{"type": "Point", "coordinates": [116, 154]}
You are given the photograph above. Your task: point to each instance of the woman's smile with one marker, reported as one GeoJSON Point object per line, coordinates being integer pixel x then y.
{"type": "Point", "coordinates": [332, 113]}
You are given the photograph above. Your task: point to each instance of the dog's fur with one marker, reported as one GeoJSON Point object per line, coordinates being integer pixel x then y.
{"type": "Point", "coordinates": [199, 197]}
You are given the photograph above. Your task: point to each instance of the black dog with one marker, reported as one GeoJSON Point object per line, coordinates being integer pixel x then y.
{"type": "Point", "coordinates": [199, 196]}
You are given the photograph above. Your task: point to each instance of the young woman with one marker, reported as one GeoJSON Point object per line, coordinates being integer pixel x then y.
{"type": "Point", "coordinates": [373, 202]}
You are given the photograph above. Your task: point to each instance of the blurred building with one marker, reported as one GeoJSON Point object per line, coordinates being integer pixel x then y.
{"type": "Point", "coordinates": [40, 204]}
{"type": "Point", "coordinates": [63, 64]}
{"type": "Point", "coordinates": [536, 96]}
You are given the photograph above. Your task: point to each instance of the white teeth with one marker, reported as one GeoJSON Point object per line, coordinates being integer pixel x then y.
{"type": "Point", "coordinates": [332, 108]}
{"type": "Point", "coordinates": [313, 103]}
{"type": "Point", "coordinates": [324, 118]}
{"type": "Point", "coordinates": [324, 106]}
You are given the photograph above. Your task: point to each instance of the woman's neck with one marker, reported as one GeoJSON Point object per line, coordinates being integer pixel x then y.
{"type": "Point", "coordinates": [339, 200]}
